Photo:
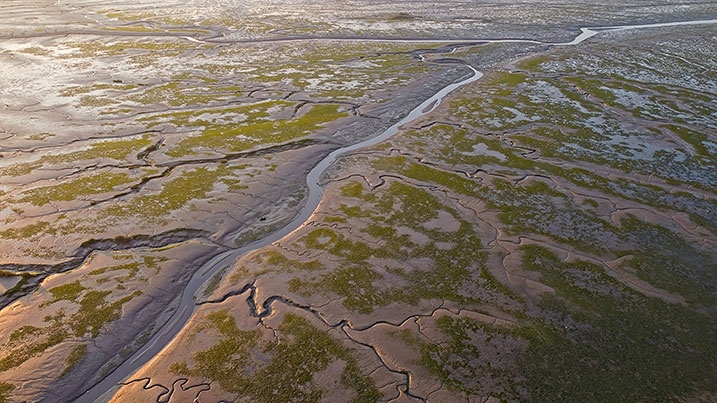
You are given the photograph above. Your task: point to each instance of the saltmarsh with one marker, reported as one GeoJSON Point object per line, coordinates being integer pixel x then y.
{"type": "Point", "coordinates": [254, 126]}
{"type": "Point", "coordinates": [72, 316]}
{"type": "Point", "coordinates": [599, 116]}
{"type": "Point", "coordinates": [539, 209]}
{"type": "Point", "coordinates": [177, 193]}
{"type": "Point", "coordinates": [401, 252]}
{"type": "Point", "coordinates": [117, 150]}
{"type": "Point", "coordinates": [583, 166]}
{"type": "Point", "coordinates": [220, 74]}
{"type": "Point", "coordinates": [244, 363]}
{"type": "Point", "coordinates": [589, 173]}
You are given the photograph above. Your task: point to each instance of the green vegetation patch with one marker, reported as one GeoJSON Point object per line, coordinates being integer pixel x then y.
{"type": "Point", "coordinates": [583, 115]}
{"type": "Point", "coordinates": [71, 190]}
{"type": "Point", "coordinates": [356, 283]}
{"type": "Point", "coordinates": [97, 49]}
{"type": "Point", "coordinates": [36, 50]}
{"type": "Point", "coordinates": [344, 71]}
{"type": "Point", "coordinates": [118, 150]}
{"type": "Point", "coordinates": [85, 89]}
{"type": "Point", "coordinates": [5, 390]}
{"type": "Point", "coordinates": [593, 339]}
{"type": "Point", "coordinates": [175, 194]}
{"type": "Point", "coordinates": [253, 132]}
{"type": "Point", "coordinates": [28, 231]}
{"type": "Point", "coordinates": [66, 292]}
{"type": "Point", "coordinates": [131, 269]}
{"type": "Point", "coordinates": [78, 353]}
{"type": "Point", "coordinates": [279, 262]}
{"type": "Point", "coordinates": [183, 93]}
{"type": "Point", "coordinates": [374, 275]}
{"type": "Point", "coordinates": [456, 147]}
{"type": "Point", "coordinates": [94, 310]}
{"type": "Point", "coordinates": [301, 350]}
{"type": "Point", "coordinates": [93, 313]}
{"type": "Point", "coordinates": [19, 169]}
{"type": "Point", "coordinates": [475, 359]}
{"type": "Point", "coordinates": [337, 244]}
{"type": "Point", "coordinates": [667, 261]}
{"type": "Point", "coordinates": [702, 144]}
{"type": "Point", "coordinates": [658, 255]}
{"type": "Point", "coordinates": [27, 342]}
{"type": "Point", "coordinates": [535, 208]}
{"type": "Point", "coordinates": [602, 341]}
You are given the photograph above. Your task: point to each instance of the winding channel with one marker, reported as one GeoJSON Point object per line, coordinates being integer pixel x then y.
{"type": "Point", "coordinates": [103, 390]}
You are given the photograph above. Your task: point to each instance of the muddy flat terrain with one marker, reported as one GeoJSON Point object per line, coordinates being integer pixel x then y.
{"type": "Point", "coordinates": [192, 208]}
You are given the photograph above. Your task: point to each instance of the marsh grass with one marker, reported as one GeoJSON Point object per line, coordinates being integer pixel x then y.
{"type": "Point", "coordinates": [92, 314]}
{"type": "Point", "coordinates": [572, 114]}
{"type": "Point", "coordinates": [625, 345]}
{"type": "Point", "coordinates": [302, 350]}
{"type": "Point", "coordinates": [77, 354]}
{"type": "Point", "coordinates": [175, 194]}
{"type": "Point", "coordinates": [71, 190]}
{"type": "Point", "coordinates": [29, 231]}
{"type": "Point", "coordinates": [593, 339]}
{"type": "Point", "coordinates": [118, 150]}
{"type": "Point", "coordinates": [28, 341]}
{"type": "Point", "coordinates": [5, 390]}
{"type": "Point", "coordinates": [243, 127]}
{"type": "Point", "coordinates": [456, 270]}
{"type": "Point", "coordinates": [474, 359]}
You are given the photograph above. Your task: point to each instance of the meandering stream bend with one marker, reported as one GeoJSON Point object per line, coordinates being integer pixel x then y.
{"type": "Point", "coordinates": [103, 390]}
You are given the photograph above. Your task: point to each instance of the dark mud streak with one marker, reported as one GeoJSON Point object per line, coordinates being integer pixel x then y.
{"type": "Point", "coordinates": [168, 392]}
{"type": "Point", "coordinates": [247, 287]}
{"type": "Point", "coordinates": [144, 154]}
{"type": "Point", "coordinates": [334, 225]}
{"type": "Point", "coordinates": [147, 385]}
{"type": "Point", "coordinates": [140, 241]}
{"type": "Point", "coordinates": [303, 253]}
{"type": "Point", "coordinates": [40, 272]}
{"type": "Point", "coordinates": [294, 145]}
{"type": "Point", "coordinates": [180, 384]}
{"type": "Point", "coordinates": [404, 373]}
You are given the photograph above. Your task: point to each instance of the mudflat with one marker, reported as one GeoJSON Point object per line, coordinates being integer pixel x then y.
{"type": "Point", "coordinates": [545, 231]}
